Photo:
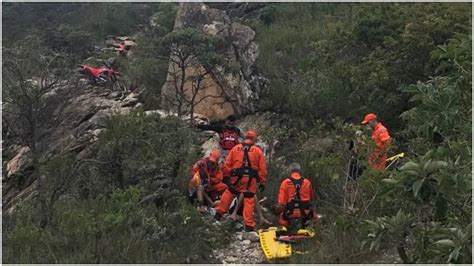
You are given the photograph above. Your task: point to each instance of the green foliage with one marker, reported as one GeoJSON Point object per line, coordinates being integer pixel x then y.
{"type": "Point", "coordinates": [76, 29]}
{"type": "Point", "coordinates": [191, 43]}
{"type": "Point", "coordinates": [413, 69]}
{"type": "Point", "coordinates": [113, 229]}
{"type": "Point", "coordinates": [145, 70]}
{"type": "Point", "coordinates": [123, 204]}
{"type": "Point", "coordinates": [322, 150]}
{"type": "Point", "coordinates": [145, 149]}
{"type": "Point", "coordinates": [326, 60]}
{"type": "Point", "coordinates": [73, 28]}
{"type": "Point", "coordinates": [418, 175]}
{"type": "Point", "coordinates": [99, 19]}
{"type": "Point", "coordinates": [452, 244]}
{"type": "Point", "coordinates": [446, 98]}
{"type": "Point", "coordinates": [436, 188]}
{"type": "Point", "coordinates": [408, 62]}
{"type": "Point", "coordinates": [30, 74]}
{"type": "Point", "coordinates": [75, 42]}
{"type": "Point", "coordinates": [388, 229]}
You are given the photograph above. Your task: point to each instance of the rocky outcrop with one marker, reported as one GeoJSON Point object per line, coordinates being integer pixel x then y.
{"type": "Point", "coordinates": [78, 113]}
{"type": "Point", "coordinates": [234, 93]}
{"type": "Point", "coordinates": [21, 161]}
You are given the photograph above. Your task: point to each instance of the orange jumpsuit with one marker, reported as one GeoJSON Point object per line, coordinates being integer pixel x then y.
{"type": "Point", "coordinates": [378, 157]}
{"type": "Point", "coordinates": [286, 195]}
{"type": "Point", "coordinates": [217, 186]}
{"type": "Point", "coordinates": [246, 185]}
{"type": "Point", "coordinates": [213, 182]}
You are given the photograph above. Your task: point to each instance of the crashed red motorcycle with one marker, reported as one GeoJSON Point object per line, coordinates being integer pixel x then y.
{"type": "Point", "coordinates": [100, 75]}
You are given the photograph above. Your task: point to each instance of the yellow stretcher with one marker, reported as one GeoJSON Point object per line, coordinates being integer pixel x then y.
{"type": "Point", "coordinates": [274, 249]}
{"type": "Point", "coordinates": [394, 159]}
{"type": "Point", "coordinates": [397, 156]}
{"type": "Point", "coordinates": [271, 248]}
{"type": "Point", "coordinates": [306, 232]}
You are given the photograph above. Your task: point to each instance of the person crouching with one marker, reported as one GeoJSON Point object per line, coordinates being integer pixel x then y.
{"type": "Point", "coordinates": [206, 181]}
{"type": "Point", "coordinates": [295, 199]}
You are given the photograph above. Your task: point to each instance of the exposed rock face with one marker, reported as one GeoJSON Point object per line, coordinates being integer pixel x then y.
{"type": "Point", "coordinates": [20, 161]}
{"type": "Point", "coordinates": [78, 114]}
{"type": "Point", "coordinates": [241, 88]}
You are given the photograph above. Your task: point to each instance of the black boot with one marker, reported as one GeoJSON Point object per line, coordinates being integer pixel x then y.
{"type": "Point", "coordinates": [217, 216]}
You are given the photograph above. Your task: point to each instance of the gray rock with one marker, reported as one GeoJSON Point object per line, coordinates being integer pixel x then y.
{"type": "Point", "coordinates": [131, 100]}
{"type": "Point", "coordinates": [115, 94]}
{"type": "Point", "coordinates": [22, 160]}
{"type": "Point", "coordinates": [76, 114]}
{"type": "Point", "coordinates": [252, 236]}
{"type": "Point", "coordinates": [257, 254]}
{"type": "Point", "coordinates": [239, 236]}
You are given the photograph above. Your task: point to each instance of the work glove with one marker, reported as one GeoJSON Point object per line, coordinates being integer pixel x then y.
{"type": "Point", "coordinates": [261, 188]}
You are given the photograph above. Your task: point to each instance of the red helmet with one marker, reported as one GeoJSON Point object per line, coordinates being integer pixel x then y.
{"type": "Point", "coordinates": [367, 118]}
{"type": "Point", "coordinates": [214, 156]}
{"type": "Point", "coordinates": [250, 134]}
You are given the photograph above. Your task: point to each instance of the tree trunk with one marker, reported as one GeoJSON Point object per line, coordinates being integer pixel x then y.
{"type": "Point", "coordinates": [181, 93]}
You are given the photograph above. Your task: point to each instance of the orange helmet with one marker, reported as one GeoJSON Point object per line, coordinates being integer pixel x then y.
{"type": "Point", "coordinates": [367, 118]}
{"type": "Point", "coordinates": [214, 156]}
{"type": "Point", "coordinates": [250, 134]}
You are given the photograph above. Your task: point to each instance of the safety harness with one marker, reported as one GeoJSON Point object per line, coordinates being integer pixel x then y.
{"type": "Point", "coordinates": [297, 203]}
{"type": "Point", "coordinates": [245, 170]}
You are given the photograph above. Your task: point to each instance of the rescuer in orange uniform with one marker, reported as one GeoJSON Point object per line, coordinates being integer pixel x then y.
{"type": "Point", "coordinates": [295, 198]}
{"type": "Point", "coordinates": [245, 166]}
{"type": "Point", "coordinates": [378, 157]}
{"type": "Point", "coordinates": [206, 180]}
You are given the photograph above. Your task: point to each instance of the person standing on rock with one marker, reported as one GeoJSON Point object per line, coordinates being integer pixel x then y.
{"type": "Point", "coordinates": [295, 199]}
{"type": "Point", "coordinates": [378, 157]}
{"type": "Point", "coordinates": [229, 134]}
{"type": "Point", "coordinates": [206, 181]}
{"type": "Point", "coordinates": [245, 166]}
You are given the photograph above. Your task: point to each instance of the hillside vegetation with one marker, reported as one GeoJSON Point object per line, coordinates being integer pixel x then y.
{"type": "Point", "coordinates": [410, 64]}
{"type": "Point", "coordinates": [328, 64]}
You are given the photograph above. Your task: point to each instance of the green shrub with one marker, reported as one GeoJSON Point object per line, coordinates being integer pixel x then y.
{"type": "Point", "coordinates": [327, 60]}
{"type": "Point", "coordinates": [145, 149]}
{"type": "Point", "coordinates": [114, 229]}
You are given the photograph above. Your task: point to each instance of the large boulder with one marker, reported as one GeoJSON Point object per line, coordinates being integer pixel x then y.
{"type": "Point", "coordinates": [233, 93]}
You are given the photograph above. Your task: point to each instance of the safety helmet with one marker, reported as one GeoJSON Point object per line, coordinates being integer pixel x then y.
{"type": "Point", "coordinates": [368, 117]}
{"type": "Point", "coordinates": [250, 134]}
{"type": "Point", "coordinates": [214, 156]}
